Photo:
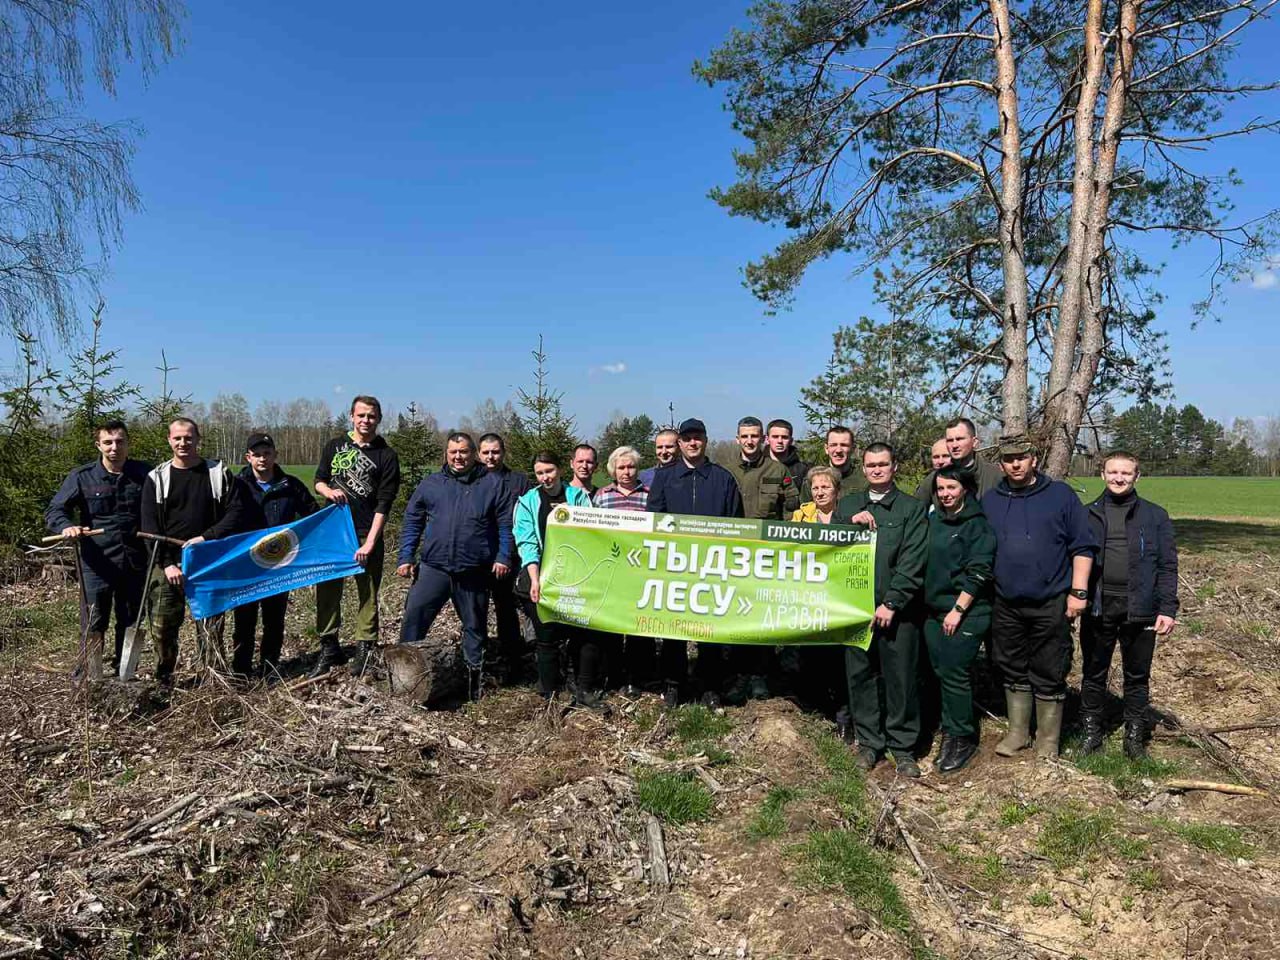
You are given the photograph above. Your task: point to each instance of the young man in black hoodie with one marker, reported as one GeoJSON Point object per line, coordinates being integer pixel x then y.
{"type": "Point", "coordinates": [282, 498]}
{"type": "Point", "coordinates": [493, 456]}
{"type": "Point", "coordinates": [190, 499]}
{"type": "Point", "coordinates": [1133, 600]}
{"type": "Point", "coordinates": [362, 471]}
{"type": "Point", "coordinates": [1044, 552]}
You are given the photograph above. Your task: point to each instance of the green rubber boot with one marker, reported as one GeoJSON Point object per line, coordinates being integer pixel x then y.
{"type": "Point", "coordinates": [1019, 704]}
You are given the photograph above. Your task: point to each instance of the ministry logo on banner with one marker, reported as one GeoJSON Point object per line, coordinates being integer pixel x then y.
{"type": "Point", "coordinates": [222, 574]}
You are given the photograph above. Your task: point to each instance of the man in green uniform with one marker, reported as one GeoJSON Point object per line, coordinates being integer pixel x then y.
{"type": "Point", "coordinates": [769, 492]}
{"type": "Point", "coordinates": [883, 685]}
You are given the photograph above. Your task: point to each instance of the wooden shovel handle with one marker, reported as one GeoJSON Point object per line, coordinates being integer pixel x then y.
{"type": "Point", "coordinates": [58, 536]}
{"type": "Point", "coordinates": [155, 536]}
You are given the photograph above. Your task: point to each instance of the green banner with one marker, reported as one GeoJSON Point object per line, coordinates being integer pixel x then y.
{"type": "Point", "coordinates": [708, 579]}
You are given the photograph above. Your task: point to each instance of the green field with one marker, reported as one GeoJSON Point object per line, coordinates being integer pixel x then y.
{"type": "Point", "coordinates": [1252, 498]}
{"type": "Point", "coordinates": [1244, 498]}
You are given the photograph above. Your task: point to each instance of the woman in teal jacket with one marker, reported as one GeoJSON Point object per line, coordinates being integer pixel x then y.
{"type": "Point", "coordinates": [957, 594]}
{"type": "Point", "coordinates": [530, 528]}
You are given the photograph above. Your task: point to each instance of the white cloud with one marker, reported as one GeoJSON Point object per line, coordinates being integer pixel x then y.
{"type": "Point", "coordinates": [610, 368]}
{"type": "Point", "coordinates": [1264, 280]}
{"type": "Point", "coordinates": [338, 388]}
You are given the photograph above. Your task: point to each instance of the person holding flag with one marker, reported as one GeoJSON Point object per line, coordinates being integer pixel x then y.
{"type": "Point", "coordinates": [362, 471]}
{"type": "Point", "coordinates": [282, 498]}
{"type": "Point", "coordinates": [189, 499]}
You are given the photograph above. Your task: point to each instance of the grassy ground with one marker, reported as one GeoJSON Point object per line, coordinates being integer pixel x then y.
{"type": "Point", "coordinates": [1255, 498]}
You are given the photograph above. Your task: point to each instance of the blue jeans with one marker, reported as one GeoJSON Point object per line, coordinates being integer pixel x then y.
{"type": "Point", "coordinates": [469, 591]}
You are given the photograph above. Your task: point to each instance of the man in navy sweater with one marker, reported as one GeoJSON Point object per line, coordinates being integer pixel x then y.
{"type": "Point", "coordinates": [461, 516]}
{"type": "Point", "coordinates": [694, 486]}
{"type": "Point", "coordinates": [1044, 552]}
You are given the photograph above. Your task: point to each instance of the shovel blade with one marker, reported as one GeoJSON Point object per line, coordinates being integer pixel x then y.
{"type": "Point", "coordinates": [135, 638]}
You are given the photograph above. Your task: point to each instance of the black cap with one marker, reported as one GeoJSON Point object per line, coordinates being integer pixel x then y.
{"type": "Point", "coordinates": [693, 425]}
{"type": "Point", "coordinates": [259, 440]}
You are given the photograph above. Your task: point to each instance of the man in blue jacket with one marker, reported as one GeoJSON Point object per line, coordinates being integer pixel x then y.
{"type": "Point", "coordinates": [282, 498]}
{"type": "Point", "coordinates": [461, 516]}
{"type": "Point", "coordinates": [1134, 587]}
{"type": "Point", "coordinates": [1044, 552]}
{"type": "Point", "coordinates": [105, 494]}
{"type": "Point", "coordinates": [694, 486]}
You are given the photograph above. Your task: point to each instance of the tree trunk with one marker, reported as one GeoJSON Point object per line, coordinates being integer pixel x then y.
{"type": "Point", "coordinates": [1093, 337]}
{"type": "Point", "coordinates": [1015, 314]}
{"type": "Point", "coordinates": [1071, 294]}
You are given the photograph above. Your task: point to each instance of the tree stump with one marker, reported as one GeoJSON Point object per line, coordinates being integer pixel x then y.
{"type": "Point", "coordinates": [426, 673]}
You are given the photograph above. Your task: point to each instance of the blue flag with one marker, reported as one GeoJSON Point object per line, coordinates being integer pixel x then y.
{"type": "Point", "coordinates": [221, 574]}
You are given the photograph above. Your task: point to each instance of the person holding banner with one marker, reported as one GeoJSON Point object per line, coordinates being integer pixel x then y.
{"type": "Point", "coordinates": [627, 492]}
{"type": "Point", "coordinates": [191, 499]}
{"type": "Point", "coordinates": [883, 685]}
{"type": "Point", "coordinates": [461, 517]}
{"type": "Point", "coordinates": [107, 495]}
{"type": "Point", "coordinates": [530, 528]}
{"type": "Point", "coordinates": [282, 498]}
{"type": "Point", "coordinates": [820, 667]}
{"type": "Point", "coordinates": [957, 594]}
{"type": "Point", "coordinates": [362, 471]}
{"type": "Point", "coordinates": [694, 486]}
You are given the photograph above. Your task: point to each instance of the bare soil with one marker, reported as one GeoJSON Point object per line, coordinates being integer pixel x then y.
{"type": "Point", "coordinates": [301, 807]}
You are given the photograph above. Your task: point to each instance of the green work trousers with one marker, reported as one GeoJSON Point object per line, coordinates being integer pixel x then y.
{"type": "Point", "coordinates": [884, 690]}
{"type": "Point", "coordinates": [329, 602]}
{"type": "Point", "coordinates": [952, 658]}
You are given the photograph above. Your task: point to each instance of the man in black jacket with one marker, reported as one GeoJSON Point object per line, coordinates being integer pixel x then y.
{"type": "Point", "coordinates": [694, 486]}
{"type": "Point", "coordinates": [493, 456]}
{"type": "Point", "coordinates": [106, 495]}
{"type": "Point", "coordinates": [1133, 600]}
{"type": "Point", "coordinates": [282, 499]}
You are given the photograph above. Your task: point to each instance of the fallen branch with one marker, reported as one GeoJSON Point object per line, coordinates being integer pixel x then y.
{"type": "Point", "coordinates": [406, 881]}
{"type": "Point", "coordinates": [1214, 731]}
{"type": "Point", "coordinates": [138, 829]}
{"type": "Point", "coordinates": [1232, 788]}
{"type": "Point", "coordinates": [659, 870]}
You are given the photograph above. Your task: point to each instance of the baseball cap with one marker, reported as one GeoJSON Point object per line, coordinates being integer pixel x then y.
{"type": "Point", "coordinates": [692, 425]}
{"type": "Point", "coordinates": [259, 440]}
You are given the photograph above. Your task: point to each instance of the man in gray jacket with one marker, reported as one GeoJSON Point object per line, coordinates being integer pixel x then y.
{"type": "Point", "coordinates": [961, 439]}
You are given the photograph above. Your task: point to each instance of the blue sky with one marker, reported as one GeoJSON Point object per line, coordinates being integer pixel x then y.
{"type": "Point", "coordinates": [400, 202]}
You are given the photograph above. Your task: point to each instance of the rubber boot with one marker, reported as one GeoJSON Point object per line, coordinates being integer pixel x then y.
{"type": "Point", "coordinates": [1135, 740]}
{"type": "Point", "coordinates": [1018, 703]}
{"type": "Point", "coordinates": [548, 661]}
{"type": "Point", "coordinates": [1048, 728]}
{"type": "Point", "coordinates": [1093, 738]}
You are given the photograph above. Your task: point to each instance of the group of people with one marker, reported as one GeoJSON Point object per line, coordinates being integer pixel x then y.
{"type": "Point", "coordinates": [983, 553]}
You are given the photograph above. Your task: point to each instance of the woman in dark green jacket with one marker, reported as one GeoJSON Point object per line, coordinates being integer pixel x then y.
{"type": "Point", "coordinates": [957, 594]}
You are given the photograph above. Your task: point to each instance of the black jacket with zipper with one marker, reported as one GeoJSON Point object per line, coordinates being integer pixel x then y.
{"type": "Point", "coordinates": [1153, 559]}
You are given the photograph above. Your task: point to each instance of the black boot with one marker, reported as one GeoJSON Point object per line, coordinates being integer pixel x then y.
{"type": "Point", "coordinates": [1093, 736]}
{"type": "Point", "coordinates": [331, 656]}
{"type": "Point", "coordinates": [944, 752]}
{"type": "Point", "coordinates": [475, 683]}
{"type": "Point", "coordinates": [962, 751]}
{"type": "Point", "coordinates": [1135, 739]}
{"type": "Point", "coordinates": [364, 658]}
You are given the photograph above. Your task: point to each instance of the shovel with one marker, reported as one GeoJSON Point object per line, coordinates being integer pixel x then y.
{"type": "Point", "coordinates": [135, 637]}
